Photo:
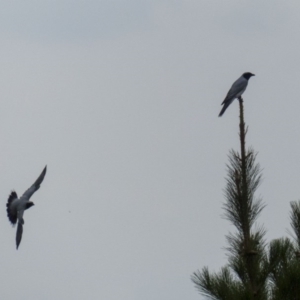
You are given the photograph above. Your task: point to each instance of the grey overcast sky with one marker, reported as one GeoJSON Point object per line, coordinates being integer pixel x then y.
{"type": "Point", "coordinates": [121, 100]}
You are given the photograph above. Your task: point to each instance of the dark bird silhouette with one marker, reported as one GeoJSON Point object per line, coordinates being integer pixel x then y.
{"type": "Point", "coordinates": [16, 206]}
{"type": "Point", "coordinates": [236, 90]}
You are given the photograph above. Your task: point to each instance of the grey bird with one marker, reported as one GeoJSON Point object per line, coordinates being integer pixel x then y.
{"type": "Point", "coordinates": [16, 206]}
{"type": "Point", "coordinates": [236, 91]}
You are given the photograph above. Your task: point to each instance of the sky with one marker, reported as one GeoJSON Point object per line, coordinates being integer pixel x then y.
{"type": "Point", "coordinates": [120, 99]}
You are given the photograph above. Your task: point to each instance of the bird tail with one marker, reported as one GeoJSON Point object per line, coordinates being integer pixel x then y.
{"type": "Point", "coordinates": [223, 110]}
{"type": "Point", "coordinates": [225, 104]}
{"type": "Point", "coordinates": [19, 234]}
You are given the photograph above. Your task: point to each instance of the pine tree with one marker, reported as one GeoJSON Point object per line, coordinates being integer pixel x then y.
{"type": "Point", "coordinates": [285, 255]}
{"type": "Point", "coordinates": [254, 270]}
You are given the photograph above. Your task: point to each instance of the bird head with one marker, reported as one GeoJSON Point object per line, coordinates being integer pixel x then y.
{"type": "Point", "coordinates": [247, 75]}
{"type": "Point", "coordinates": [29, 204]}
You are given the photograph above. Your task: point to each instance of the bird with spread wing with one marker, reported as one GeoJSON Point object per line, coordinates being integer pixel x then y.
{"type": "Point", "coordinates": [16, 206]}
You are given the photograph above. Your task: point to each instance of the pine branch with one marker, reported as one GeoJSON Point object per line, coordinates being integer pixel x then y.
{"type": "Point", "coordinates": [284, 270]}
{"type": "Point", "coordinates": [221, 286]}
{"type": "Point", "coordinates": [295, 222]}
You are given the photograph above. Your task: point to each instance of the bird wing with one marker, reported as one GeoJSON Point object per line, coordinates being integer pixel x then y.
{"type": "Point", "coordinates": [236, 90]}
{"type": "Point", "coordinates": [19, 234]}
{"type": "Point", "coordinates": [12, 213]}
{"type": "Point", "coordinates": [26, 196]}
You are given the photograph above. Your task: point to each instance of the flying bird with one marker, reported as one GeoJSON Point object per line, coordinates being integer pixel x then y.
{"type": "Point", "coordinates": [16, 206]}
{"type": "Point", "coordinates": [236, 90]}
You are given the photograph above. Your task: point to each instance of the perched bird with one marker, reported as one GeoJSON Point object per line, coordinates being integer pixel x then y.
{"type": "Point", "coordinates": [16, 206]}
{"type": "Point", "coordinates": [236, 90]}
